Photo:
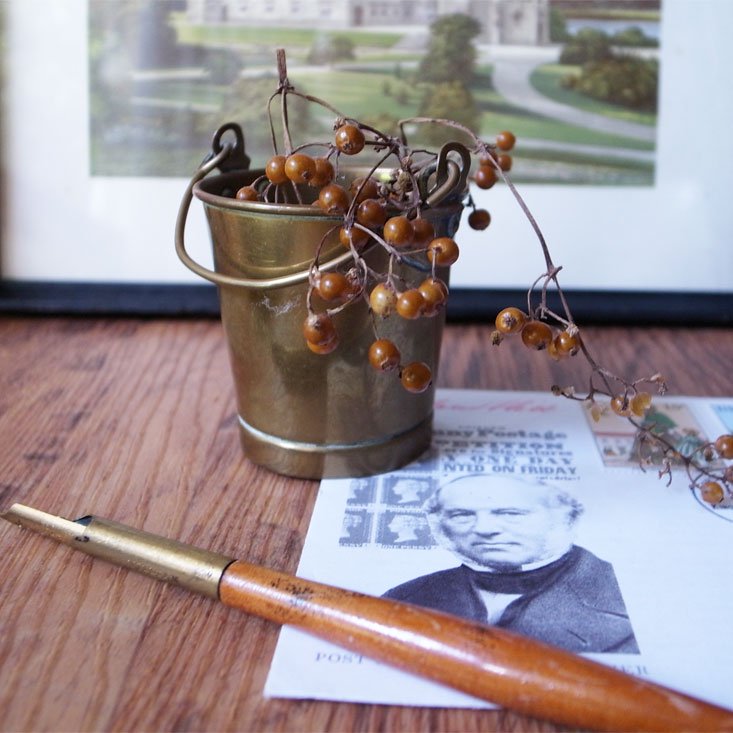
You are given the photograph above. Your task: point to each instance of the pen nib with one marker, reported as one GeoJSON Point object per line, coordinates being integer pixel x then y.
{"type": "Point", "coordinates": [59, 528]}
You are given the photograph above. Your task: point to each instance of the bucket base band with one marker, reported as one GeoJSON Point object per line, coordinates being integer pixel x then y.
{"type": "Point", "coordinates": [335, 460]}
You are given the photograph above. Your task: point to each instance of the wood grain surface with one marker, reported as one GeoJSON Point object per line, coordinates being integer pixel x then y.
{"type": "Point", "coordinates": [134, 420]}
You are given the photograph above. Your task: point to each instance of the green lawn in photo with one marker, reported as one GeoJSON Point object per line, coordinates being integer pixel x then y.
{"type": "Point", "coordinates": [553, 166]}
{"type": "Point", "coordinates": [528, 125]}
{"type": "Point", "coordinates": [587, 11]}
{"type": "Point", "coordinates": [185, 92]}
{"type": "Point", "coordinates": [359, 94]}
{"type": "Point", "coordinates": [274, 37]}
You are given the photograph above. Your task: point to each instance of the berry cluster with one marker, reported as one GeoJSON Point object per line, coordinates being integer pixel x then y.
{"type": "Point", "coordinates": [707, 469]}
{"type": "Point", "coordinates": [713, 489]}
{"type": "Point", "coordinates": [377, 209]}
{"type": "Point", "coordinates": [561, 341]}
{"type": "Point", "coordinates": [537, 334]}
{"type": "Point", "coordinates": [627, 400]}
{"type": "Point", "coordinates": [392, 212]}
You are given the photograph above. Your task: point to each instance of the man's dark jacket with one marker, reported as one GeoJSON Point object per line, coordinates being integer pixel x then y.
{"type": "Point", "coordinates": [576, 604]}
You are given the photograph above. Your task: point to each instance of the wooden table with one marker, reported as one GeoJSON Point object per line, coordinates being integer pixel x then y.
{"type": "Point", "coordinates": [134, 420]}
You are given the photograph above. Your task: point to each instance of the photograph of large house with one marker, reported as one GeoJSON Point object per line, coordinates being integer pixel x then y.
{"type": "Point", "coordinates": [518, 22]}
{"type": "Point", "coordinates": [575, 80]}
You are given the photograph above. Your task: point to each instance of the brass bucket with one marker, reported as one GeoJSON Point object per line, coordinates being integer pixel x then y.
{"type": "Point", "coordinates": [303, 414]}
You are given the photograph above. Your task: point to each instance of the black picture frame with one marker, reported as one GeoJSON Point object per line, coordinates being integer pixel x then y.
{"type": "Point", "coordinates": [466, 305]}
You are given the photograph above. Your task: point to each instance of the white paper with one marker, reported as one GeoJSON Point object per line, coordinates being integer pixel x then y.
{"type": "Point", "coordinates": [669, 551]}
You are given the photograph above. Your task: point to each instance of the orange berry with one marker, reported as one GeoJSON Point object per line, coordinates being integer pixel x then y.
{"type": "Point", "coordinates": [567, 343]}
{"type": "Point", "coordinates": [333, 199]}
{"type": "Point", "coordinates": [353, 235]}
{"type": "Point", "coordinates": [410, 304]}
{"type": "Point", "coordinates": [712, 492]}
{"type": "Point", "coordinates": [554, 352]}
{"type": "Point", "coordinates": [247, 193]}
{"type": "Point", "coordinates": [300, 168]}
{"type": "Point", "coordinates": [505, 140]}
{"type": "Point", "coordinates": [318, 328]}
{"type": "Point", "coordinates": [324, 348]}
{"type": "Point", "coordinates": [724, 446]}
{"type": "Point", "coordinates": [435, 294]}
{"type": "Point", "coordinates": [620, 405]}
{"type": "Point", "coordinates": [355, 283]}
{"type": "Point", "coordinates": [485, 177]}
{"type": "Point", "coordinates": [596, 411]}
{"type": "Point", "coordinates": [536, 335]}
{"type": "Point", "coordinates": [333, 286]}
{"type": "Point", "coordinates": [275, 169]}
{"type": "Point", "coordinates": [504, 161]}
{"type": "Point", "coordinates": [371, 214]}
{"type": "Point", "coordinates": [640, 403]}
{"type": "Point", "coordinates": [349, 139]}
{"type": "Point", "coordinates": [479, 219]}
{"type": "Point", "coordinates": [510, 320]}
{"type": "Point", "coordinates": [324, 173]}
{"type": "Point", "coordinates": [369, 189]}
{"type": "Point", "coordinates": [382, 300]}
{"type": "Point", "coordinates": [423, 232]}
{"type": "Point", "coordinates": [416, 377]}
{"type": "Point", "coordinates": [384, 355]}
{"type": "Point", "coordinates": [443, 251]}
{"type": "Point", "coordinates": [398, 232]}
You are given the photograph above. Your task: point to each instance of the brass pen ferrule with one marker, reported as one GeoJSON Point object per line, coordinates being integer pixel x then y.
{"type": "Point", "coordinates": [173, 562]}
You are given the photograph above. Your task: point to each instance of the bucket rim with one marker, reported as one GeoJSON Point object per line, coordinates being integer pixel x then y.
{"type": "Point", "coordinates": [263, 207]}
{"type": "Point", "coordinates": [311, 211]}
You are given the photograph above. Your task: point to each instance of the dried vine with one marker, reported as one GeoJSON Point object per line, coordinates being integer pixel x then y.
{"type": "Point", "coordinates": [393, 212]}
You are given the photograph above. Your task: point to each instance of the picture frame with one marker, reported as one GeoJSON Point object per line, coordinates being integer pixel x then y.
{"type": "Point", "coordinates": [73, 242]}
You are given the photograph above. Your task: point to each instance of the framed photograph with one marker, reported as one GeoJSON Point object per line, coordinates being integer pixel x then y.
{"type": "Point", "coordinates": [110, 106]}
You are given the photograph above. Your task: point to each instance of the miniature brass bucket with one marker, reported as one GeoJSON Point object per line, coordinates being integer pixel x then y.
{"type": "Point", "coordinates": [303, 414]}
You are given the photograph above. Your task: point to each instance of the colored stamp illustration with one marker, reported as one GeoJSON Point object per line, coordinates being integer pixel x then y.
{"type": "Point", "coordinates": [620, 445]}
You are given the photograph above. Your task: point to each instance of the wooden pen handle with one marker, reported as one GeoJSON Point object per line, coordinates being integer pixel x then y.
{"type": "Point", "coordinates": [489, 663]}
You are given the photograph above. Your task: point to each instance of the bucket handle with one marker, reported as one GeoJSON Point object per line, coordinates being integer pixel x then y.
{"type": "Point", "coordinates": [455, 178]}
{"type": "Point", "coordinates": [216, 277]}
{"type": "Point", "coordinates": [447, 177]}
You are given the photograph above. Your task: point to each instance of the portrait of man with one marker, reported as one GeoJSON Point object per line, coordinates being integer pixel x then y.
{"type": "Point", "coordinates": [520, 569]}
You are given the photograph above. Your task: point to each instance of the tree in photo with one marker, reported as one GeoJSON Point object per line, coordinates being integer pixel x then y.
{"type": "Point", "coordinates": [449, 67]}
{"type": "Point", "coordinates": [448, 100]}
{"type": "Point", "coordinates": [585, 46]}
{"type": "Point", "coordinates": [624, 80]}
{"type": "Point", "coordinates": [451, 56]}
{"type": "Point", "coordinates": [327, 49]}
